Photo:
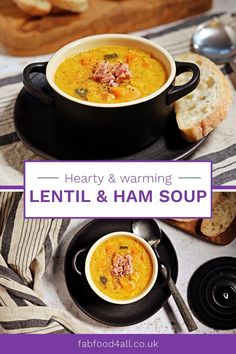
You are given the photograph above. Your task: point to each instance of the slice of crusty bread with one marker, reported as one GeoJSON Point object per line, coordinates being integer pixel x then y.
{"type": "Point", "coordinates": [34, 7]}
{"type": "Point", "coordinates": [71, 5]}
{"type": "Point", "coordinates": [223, 215]}
{"type": "Point", "coordinates": [202, 110]}
{"type": "Point", "coordinates": [215, 200]}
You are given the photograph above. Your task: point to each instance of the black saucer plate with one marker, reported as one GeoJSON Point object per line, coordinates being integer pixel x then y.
{"type": "Point", "coordinates": [34, 124]}
{"type": "Point", "coordinates": [94, 306]}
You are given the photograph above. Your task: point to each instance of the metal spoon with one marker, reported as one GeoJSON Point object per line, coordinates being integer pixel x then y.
{"type": "Point", "coordinates": [216, 41]}
{"type": "Point", "coordinates": [150, 231]}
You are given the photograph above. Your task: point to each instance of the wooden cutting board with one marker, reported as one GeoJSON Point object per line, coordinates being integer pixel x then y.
{"type": "Point", "coordinates": [23, 35]}
{"type": "Point", "coordinates": [193, 228]}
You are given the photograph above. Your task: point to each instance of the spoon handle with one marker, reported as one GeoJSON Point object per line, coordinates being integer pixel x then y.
{"type": "Point", "coordinates": [187, 317]}
{"type": "Point", "coordinates": [232, 63]}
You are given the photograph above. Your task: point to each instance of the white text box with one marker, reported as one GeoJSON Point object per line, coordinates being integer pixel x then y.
{"type": "Point", "coordinates": [118, 189]}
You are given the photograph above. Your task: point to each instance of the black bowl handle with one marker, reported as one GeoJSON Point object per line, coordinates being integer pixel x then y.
{"type": "Point", "coordinates": [177, 92]}
{"type": "Point", "coordinates": [74, 260]}
{"type": "Point", "coordinates": [30, 86]}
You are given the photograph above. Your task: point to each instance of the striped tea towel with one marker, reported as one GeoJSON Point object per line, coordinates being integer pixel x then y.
{"type": "Point", "coordinates": [26, 247]}
{"type": "Point", "coordinates": [220, 147]}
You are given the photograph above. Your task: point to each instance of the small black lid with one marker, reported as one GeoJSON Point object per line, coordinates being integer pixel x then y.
{"type": "Point", "coordinates": [212, 293]}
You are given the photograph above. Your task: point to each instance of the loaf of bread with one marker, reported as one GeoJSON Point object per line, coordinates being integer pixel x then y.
{"type": "Point", "coordinates": [34, 7]}
{"type": "Point", "coordinates": [215, 200]}
{"type": "Point", "coordinates": [71, 5]}
{"type": "Point", "coordinates": [216, 196]}
{"type": "Point", "coordinates": [202, 110]}
{"type": "Point", "coordinates": [223, 214]}
{"type": "Point", "coordinates": [44, 7]}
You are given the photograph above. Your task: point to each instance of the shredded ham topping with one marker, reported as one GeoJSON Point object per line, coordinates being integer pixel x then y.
{"type": "Point", "coordinates": [111, 74]}
{"type": "Point", "coordinates": [122, 265]}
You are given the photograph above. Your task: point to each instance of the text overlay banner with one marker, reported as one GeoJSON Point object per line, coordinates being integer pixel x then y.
{"type": "Point", "coordinates": [118, 189]}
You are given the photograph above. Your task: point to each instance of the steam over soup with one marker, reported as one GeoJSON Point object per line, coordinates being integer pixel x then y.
{"type": "Point", "coordinates": [121, 268]}
{"type": "Point", "coordinates": [110, 74]}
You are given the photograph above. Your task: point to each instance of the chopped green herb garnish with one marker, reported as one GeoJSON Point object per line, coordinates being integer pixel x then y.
{"type": "Point", "coordinates": [103, 280]}
{"type": "Point", "coordinates": [110, 56]}
{"type": "Point", "coordinates": [82, 92]}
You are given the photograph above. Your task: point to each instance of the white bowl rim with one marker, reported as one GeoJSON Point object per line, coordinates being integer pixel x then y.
{"type": "Point", "coordinates": [98, 291]}
{"type": "Point", "coordinates": [111, 36]}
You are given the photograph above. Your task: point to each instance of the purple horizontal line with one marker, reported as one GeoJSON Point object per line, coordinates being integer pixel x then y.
{"type": "Point", "coordinates": [11, 187]}
{"type": "Point", "coordinates": [117, 217]}
{"type": "Point", "coordinates": [224, 187]}
{"type": "Point", "coordinates": [116, 161]}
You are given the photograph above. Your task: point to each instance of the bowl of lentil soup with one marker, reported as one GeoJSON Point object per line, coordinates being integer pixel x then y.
{"type": "Point", "coordinates": [120, 267]}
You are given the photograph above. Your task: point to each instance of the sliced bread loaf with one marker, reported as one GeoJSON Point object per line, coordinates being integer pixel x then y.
{"type": "Point", "coordinates": [224, 213]}
{"type": "Point", "coordinates": [215, 200]}
{"type": "Point", "coordinates": [202, 110]}
{"type": "Point", "coordinates": [71, 5]}
{"type": "Point", "coordinates": [216, 196]}
{"type": "Point", "coordinates": [34, 7]}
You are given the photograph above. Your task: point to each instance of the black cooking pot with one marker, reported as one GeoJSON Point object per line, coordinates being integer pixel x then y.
{"type": "Point", "coordinates": [112, 129]}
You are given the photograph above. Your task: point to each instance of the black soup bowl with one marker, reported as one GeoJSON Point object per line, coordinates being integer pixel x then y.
{"type": "Point", "coordinates": [112, 130]}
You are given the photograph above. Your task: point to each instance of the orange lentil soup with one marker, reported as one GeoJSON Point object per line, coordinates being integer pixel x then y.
{"type": "Point", "coordinates": [121, 268]}
{"type": "Point", "coordinates": [110, 74]}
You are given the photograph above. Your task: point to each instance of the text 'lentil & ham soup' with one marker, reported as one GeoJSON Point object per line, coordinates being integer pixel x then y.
{"type": "Point", "coordinates": [121, 267]}
{"type": "Point", "coordinates": [111, 74]}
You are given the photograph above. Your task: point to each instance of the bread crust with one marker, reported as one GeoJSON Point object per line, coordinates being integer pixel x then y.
{"type": "Point", "coordinates": [227, 201]}
{"type": "Point", "coordinates": [71, 5]}
{"type": "Point", "coordinates": [196, 228]}
{"type": "Point", "coordinates": [203, 127]}
{"type": "Point", "coordinates": [228, 235]}
{"type": "Point", "coordinates": [35, 8]}
{"type": "Point", "coordinates": [216, 196]}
